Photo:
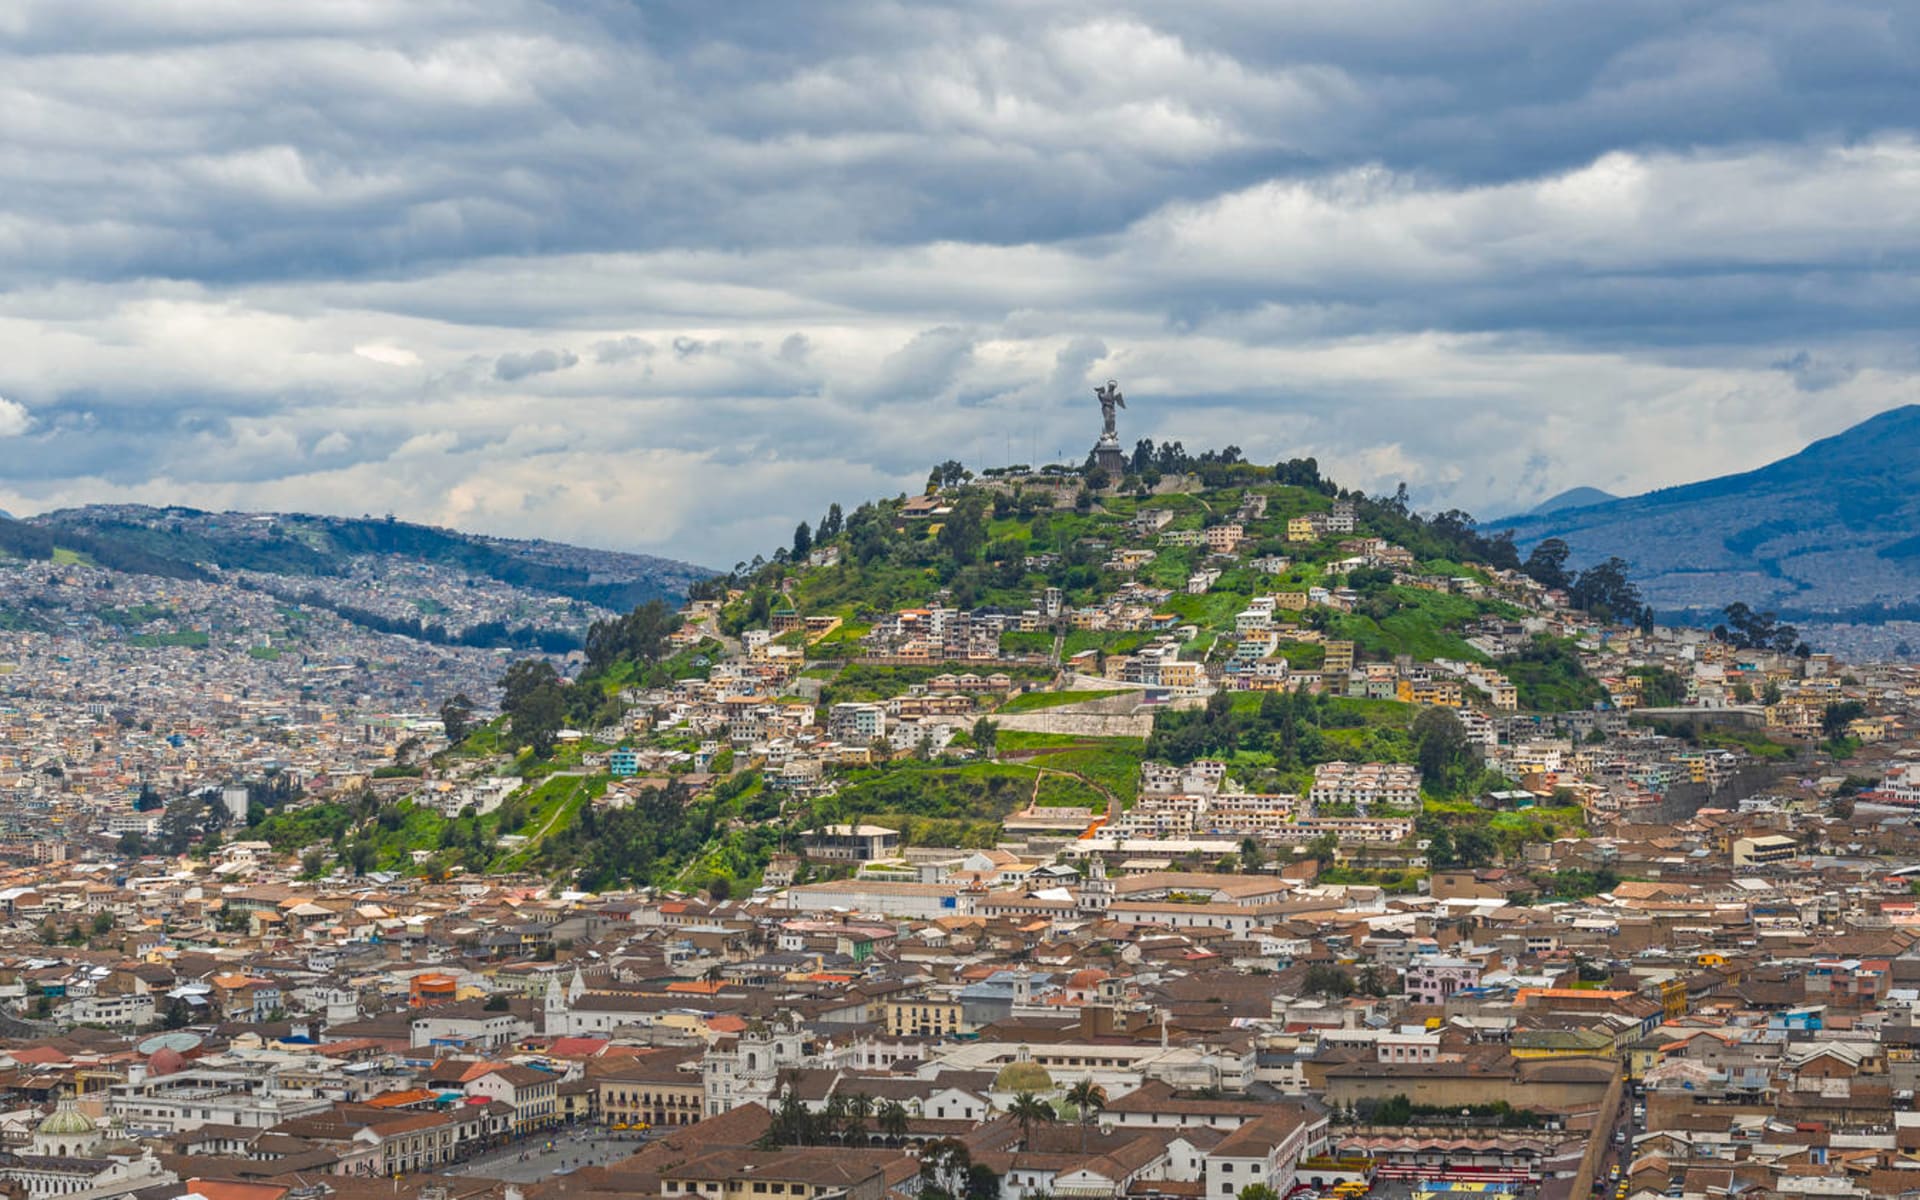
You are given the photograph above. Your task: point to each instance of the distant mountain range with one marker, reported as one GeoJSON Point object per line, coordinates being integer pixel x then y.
{"type": "Point", "coordinates": [1832, 532]}
{"type": "Point", "coordinates": [1580, 497]}
{"type": "Point", "coordinates": [186, 543]}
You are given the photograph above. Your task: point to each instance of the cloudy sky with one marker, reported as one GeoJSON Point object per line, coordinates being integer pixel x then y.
{"type": "Point", "coordinates": [672, 275]}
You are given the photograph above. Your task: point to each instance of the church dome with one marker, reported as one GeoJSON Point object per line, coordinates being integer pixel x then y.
{"type": "Point", "coordinates": [165, 1061]}
{"type": "Point", "coordinates": [1023, 1077]}
{"type": "Point", "coordinates": [67, 1121]}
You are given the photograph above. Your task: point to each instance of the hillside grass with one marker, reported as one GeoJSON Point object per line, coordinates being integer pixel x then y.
{"type": "Point", "coordinates": [1424, 625]}
{"type": "Point", "coordinates": [1040, 701]}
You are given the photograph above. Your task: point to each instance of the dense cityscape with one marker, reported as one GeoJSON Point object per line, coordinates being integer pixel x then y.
{"type": "Point", "coordinates": [1194, 829]}
{"type": "Point", "coordinates": [972, 600]}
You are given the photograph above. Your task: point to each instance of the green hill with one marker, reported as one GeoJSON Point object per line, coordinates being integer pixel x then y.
{"type": "Point", "coordinates": [998, 545]}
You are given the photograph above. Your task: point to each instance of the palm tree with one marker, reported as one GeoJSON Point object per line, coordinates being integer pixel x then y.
{"type": "Point", "coordinates": [859, 1108]}
{"type": "Point", "coordinates": [1087, 1098]}
{"type": "Point", "coordinates": [1029, 1109]}
{"type": "Point", "coordinates": [893, 1119]}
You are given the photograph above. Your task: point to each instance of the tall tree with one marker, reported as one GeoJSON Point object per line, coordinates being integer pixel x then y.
{"type": "Point", "coordinates": [1029, 1110]}
{"type": "Point", "coordinates": [1838, 715]}
{"type": "Point", "coordinates": [965, 530]}
{"type": "Point", "coordinates": [1088, 1099]}
{"type": "Point", "coordinates": [1445, 755]}
{"type": "Point", "coordinates": [948, 1172]}
{"type": "Point", "coordinates": [859, 1111]}
{"type": "Point", "coordinates": [1604, 591]}
{"type": "Point", "coordinates": [986, 735]}
{"type": "Point", "coordinates": [1547, 565]}
{"type": "Point", "coordinates": [456, 716]}
{"type": "Point", "coordinates": [534, 701]}
{"type": "Point", "coordinates": [894, 1119]}
{"type": "Point", "coordinates": [524, 677]}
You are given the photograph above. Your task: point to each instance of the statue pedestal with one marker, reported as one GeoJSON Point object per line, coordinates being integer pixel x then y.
{"type": "Point", "coordinates": [1108, 456]}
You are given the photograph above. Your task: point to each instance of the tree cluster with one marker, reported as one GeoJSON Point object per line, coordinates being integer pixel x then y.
{"type": "Point", "coordinates": [639, 637]}
{"type": "Point", "coordinates": [846, 1120]}
{"type": "Point", "coordinates": [1398, 1110]}
{"type": "Point", "coordinates": [534, 699]}
{"type": "Point", "coordinates": [948, 1172]}
{"type": "Point", "coordinates": [1287, 725]}
{"type": "Point", "coordinates": [1449, 845]}
{"type": "Point", "coordinates": [1603, 590]}
{"type": "Point", "coordinates": [653, 840]}
{"type": "Point", "coordinates": [1837, 716]}
{"type": "Point", "coordinates": [1746, 629]}
{"type": "Point", "coordinates": [1452, 535]}
{"type": "Point", "coordinates": [949, 474]}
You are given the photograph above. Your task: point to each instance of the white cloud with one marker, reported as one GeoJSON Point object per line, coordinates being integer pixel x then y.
{"type": "Point", "coordinates": [535, 268]}
{"type": "Point", "coordinates": [392, 356]}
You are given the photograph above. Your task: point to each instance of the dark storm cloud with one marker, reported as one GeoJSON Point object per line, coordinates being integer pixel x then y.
{"type": "Point", "coordinates": [1498, 248]}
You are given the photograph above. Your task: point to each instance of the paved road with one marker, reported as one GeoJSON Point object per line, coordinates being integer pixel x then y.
{"type": "Point", "coordinates": [571, 1149]}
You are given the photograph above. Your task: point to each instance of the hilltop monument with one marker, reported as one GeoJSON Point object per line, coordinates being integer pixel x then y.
{"type": "Point", "coordinates": [1107, 454]}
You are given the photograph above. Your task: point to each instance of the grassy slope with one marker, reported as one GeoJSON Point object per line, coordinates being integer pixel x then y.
{"type": "Point", "coordinates": [1039, 701]}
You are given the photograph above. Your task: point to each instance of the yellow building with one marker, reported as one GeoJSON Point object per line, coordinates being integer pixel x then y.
{"type": "Point", "coordinates": [1649, 1052]}
{"type": "Point", "coordinates": [1339, 658]}
{"type": "Point", "coordinates": [1867, 729]}
{"type": "Point", "coordinates": [924, 1017]}
{"type": "Point", "coordinates": [1439, 693]}
{"type": "Point", "coordinates": [1181, 675]}
{"type": "Point", "coordinates": [1795, 716]}
{"type": "Point", "coordinates": [1673, 996]}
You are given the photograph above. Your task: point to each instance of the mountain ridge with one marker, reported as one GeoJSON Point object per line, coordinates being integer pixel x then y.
{"type": "Point", "coordinates": [1576, 497]}
{"type": "Point", "coordinates": [1829, 528]}
{"type": "Point", "coordinates": [183, 542]}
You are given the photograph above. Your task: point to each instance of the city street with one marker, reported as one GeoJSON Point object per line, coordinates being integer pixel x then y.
{"type": "Point", "coordinates": [572, 1149]}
